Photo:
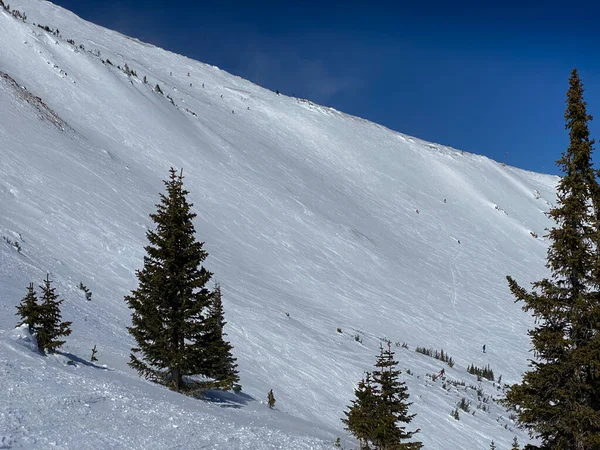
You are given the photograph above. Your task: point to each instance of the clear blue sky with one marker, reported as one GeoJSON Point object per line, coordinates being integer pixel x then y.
{"type": "Point", "coordinates": [488, 79]}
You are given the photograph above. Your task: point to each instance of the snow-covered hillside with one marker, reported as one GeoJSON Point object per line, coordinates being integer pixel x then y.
{"type": "Point", "coordinates": [314, 220]}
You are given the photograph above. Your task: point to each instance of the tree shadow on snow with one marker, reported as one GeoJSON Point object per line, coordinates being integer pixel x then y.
{"type": "Point", "coordinates": [226, 399]}
{"type": "Point", "coordinates": [76, 360]}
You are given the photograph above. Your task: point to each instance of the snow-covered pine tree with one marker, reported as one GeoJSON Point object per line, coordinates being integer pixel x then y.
{"type": "Point", "coordinates": [169, 304]}
{"type": "Point", "coordinates": [360, 419]}
{"type": "Point", "coordinates": [29, 309]}
{"type": "Point", "coordinates": [392, 405]}
{"type": "Point", "coordinates": [220, 363]}
{"type": "Point", "coordinates": [515, 444]}
{"type": "Point", "coordinates": [492, 445]}
{"type": "Point", "coordinates": [50, 327]}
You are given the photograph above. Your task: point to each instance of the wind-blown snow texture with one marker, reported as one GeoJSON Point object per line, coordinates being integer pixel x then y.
{"type": "Point", "coordinates": [304, 210]}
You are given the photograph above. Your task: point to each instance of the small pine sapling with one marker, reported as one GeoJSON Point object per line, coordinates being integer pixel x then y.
{"type": "Point", "coordinates": [271, 399]}
{"type": "Point", "coordinates": [93, 357]}
{"type": "Point", "coordinates": [515, 444]}
{"type": "Point", "coordinates": [492, 446]}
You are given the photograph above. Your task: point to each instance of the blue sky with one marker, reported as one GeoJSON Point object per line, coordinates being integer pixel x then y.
{"type": "Point", "coordinates": [489, 79]}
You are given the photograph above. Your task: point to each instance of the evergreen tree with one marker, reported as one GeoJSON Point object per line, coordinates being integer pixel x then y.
{"type": "Point", "coordinates": [271, 399]}
{"type": "Point", "coordinates": [559, 398]}
{"type": "Point", "coordinates": [361, 420]}
{"type": "Point", "coordinates": [492, 446]}
{"type": "Point", "coordinates": [515, 444]}
{"type": "Point", "coordinates": [93, 357]}
{"type": "Point", "coordinates": [29, 310]}
{"type": "Point", "coordinates": [380, 405]}
{"type": "Point", "coordinates": [220, 363]}
{"type": "Point", "coordinates": [171, 299]}
{"type": "Point", "coordinates": [392, 405]}
{"type": "Point", "coordinates": [50, 327]}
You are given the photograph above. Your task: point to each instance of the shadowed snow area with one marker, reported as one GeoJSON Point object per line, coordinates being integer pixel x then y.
{"type": "Point", "coordinates": [305, 211]}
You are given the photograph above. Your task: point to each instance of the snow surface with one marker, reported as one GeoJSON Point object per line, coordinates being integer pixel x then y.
{"type": "Point", "coordinates": [310, 219]}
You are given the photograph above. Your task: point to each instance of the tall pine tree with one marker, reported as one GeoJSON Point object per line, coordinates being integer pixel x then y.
{"type": "Point", "coordinates": [29, 310]}
{"type": "Point", "coordinates": [392, 405]}
{"type": "Point", "coordinates": [361, 419]}
{"type": "Point", "coordinates": [381, 406]}
{"type": "Point", "coordinates": [220, 363]}
{"type": "Point", "coordinates": [50, 327]}
{"type": "Point", "coordinates": [170, 301]}
{"type": "Point", "coordinates": [559, 397]}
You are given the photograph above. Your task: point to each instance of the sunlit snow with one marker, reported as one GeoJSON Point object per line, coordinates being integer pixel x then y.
{"type": "Point", "coordinates": [310, 219]}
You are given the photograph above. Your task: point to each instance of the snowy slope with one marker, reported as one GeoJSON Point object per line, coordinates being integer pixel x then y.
{"type": "Point", "coordinates": [305, 211]}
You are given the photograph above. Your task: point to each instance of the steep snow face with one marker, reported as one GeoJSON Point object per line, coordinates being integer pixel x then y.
{"type": "Point", "coordinates": [314, 220]}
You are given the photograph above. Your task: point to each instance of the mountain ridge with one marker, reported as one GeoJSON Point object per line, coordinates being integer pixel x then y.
{"type": "Point", "coordinates": [309, 216]}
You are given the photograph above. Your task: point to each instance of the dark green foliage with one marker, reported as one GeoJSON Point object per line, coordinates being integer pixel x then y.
{"type": "Point", "coordinates": [558, 399]}
{"type": "Point", "coordinates": [424, 351]}
{"type": "Point", "coordinates": [464, 404]}
{"type": "Point", "coordinates": [29, 309]}
{"type": "Point", "coordinates": [169, 305]}
{"type": "Point", "coordinates": [271, 399]}
{"type": "Point", "coordinates": [485, 372]}
{"type": "Point", "coordinates": [440, 355]}
{"type": "Point", "coordinates": [219, 362]}
{"type": "Point", "coordinates": [50, 327]}
{"type": "Point", "coordinates": [93, 357]}
{"type": "Point", "coordinates": [361, 419]}
{"type": "Point", "coordinates": [375, 418]}
{"type": "Point", "coordinates": [455, 414]}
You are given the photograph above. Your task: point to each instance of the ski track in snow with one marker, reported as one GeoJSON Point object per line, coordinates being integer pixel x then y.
{"type": "Point", "coordinates": [305, 211]}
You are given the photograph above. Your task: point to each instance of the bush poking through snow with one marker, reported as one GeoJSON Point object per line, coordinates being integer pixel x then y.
{"type": "Point", "coordinates": [485, 372]}
{"type": "Point", "coordinates": [439, 355]}
{"type": "Point", "coordinates": [14, 243]}
{"type": "Point", "coordinates": [88, 293]}
{"type": "Point", "coordinates": [455, 414]}
{"type": "Point", "coordinates": [339, 330]}
{"type": "Point", "coordinates": [271, 399]}
{"type": "Point", "coordinates": [464, 404]}
{"type": "Point", "coordinates": [158, 89]}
